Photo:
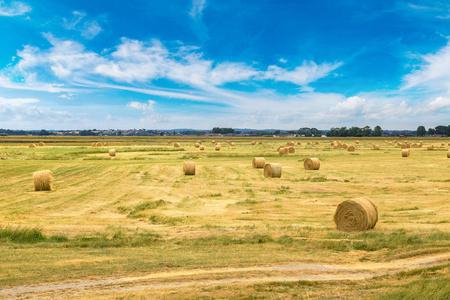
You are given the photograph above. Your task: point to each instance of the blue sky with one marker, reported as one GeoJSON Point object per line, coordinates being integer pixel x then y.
{"type": "Point", "coordinates": [204, 63]}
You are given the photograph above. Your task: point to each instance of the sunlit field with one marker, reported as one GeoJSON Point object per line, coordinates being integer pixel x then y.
{"type": "Point", "coordinates": [134, 225]}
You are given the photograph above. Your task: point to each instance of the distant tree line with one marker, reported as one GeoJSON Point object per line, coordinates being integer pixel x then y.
{"type": "Point", "coordinates": [222, 130]}
{"type": "Point", "coordinates": [438, 130]}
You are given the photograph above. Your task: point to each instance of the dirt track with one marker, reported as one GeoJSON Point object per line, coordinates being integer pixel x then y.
{"type": "Point", "coordinates": [309, 272]}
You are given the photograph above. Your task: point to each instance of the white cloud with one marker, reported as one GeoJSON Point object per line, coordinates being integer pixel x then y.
{"type": "Point", "coordinates": [17, 101]}
{"type": "Point", "coordinates": [91, 29]}
{"type": "Point", "coordinates": [87, 29]}
{"type": "Point", "coordinates": [438, 105]}
{"type": "Point", "coordinates": [434, 73]}
{"type": "Point", "coordinates": [197, 8]}
{"type": "Point", "coordinates": [352, 106]}
{"type": "Point", "coordinates": [149, 116]}
{"type": "Point", "coordinates": [145, 107]}
{"type": "Point", "coordinates": [302, 75]}
{"type": "Point", "coordinates": [282, 60]}
{"type": "Point", "coordinates": [15, 8]}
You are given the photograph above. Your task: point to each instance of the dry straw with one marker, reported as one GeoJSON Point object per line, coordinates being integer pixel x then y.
{"type": "Point", "coordinates": [112, 152]}
{"type": "Point", "coordinates": [106, 144]}
{"type": "Point", "coordinates": [431, 147]}
{"type": "Point", "coordinates": [41, 144]}
{"type": "Point", "coordinates": [199, 142]}
{"type": "Point", "coordinates": [31, 146]}
{"type": "Point", "coordinates": [272, 170]}
{"type": "Point", "coordinates": [448, 154]}
{"type": "Point", "coordinates": [406, 153]}
{"type": "Point", "coordinates": [344, 146]}
{"type": "Point", "coordinates": [197, 145]}
{"type": "Point", "coordinates": [291, 150]}
{"type": "Point", "coordinates": [351, 149]}
{"type": "Point", "coordinates": [217, 148]}
{"type": "Point", "coordinates": [232, 144]}
{"type": "Point", "coordinates": [42, 180]}
{"type": "Point", "coordinates": [308, 143]}
{"type": "Point", "coordinates": [290, 143]}
{"type": "Point", "coordinates": [356, 215]}
{"type": "Point", "coordinates": [202, 147]}
{"type": "Point", "coordinates": [260, 143]}
{"type": "Point", "coordinates": [317, 142]}
{"type": "Point", "coordinates": [169, 141]}
{"type": "Point", "coordinates": [213, 141]}
{"type": "Point", "coordinates": [253, 143]}
{"type": "Point", "coordinates": [94, 144]}
{"type": "Point", "coordinates": [442, 144]}
{"type": "Point", "coordinates": [177, 145]}
{"type": "Point", "coordinates": [258, 162]}
{"type": "Point", "coordinates": [376, 147]}
{"type": "Point", "coordinates": [283, 151]}
{"type": "Point", "coordinates": [404, 146]}
{"type": "Point", "coordinates": [189, 168]}
{"type": "Point", "coordinates": [300, 143]}
{"type": "Point", "coordinates": [98, 144]}
{"type": "Point", "coordinates": [357, 142]}
{"type": "Point", "coordinates": [279, 147]}
{"type": "Point", "coordinates": [311, 164]}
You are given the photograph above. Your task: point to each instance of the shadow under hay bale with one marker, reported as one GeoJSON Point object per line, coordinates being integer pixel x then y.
{"type": "Point", "coordinates": [189, 168]}
{"type": "Point", "coordinates": [42, 180]}
{"type": "Point", "coordinates": [258, 162]}
{"type": "Point", "coordinates": [272, 170]}
{"type": "Point", "coordinates": [311, 164]}
{"type": "Point", "coordinates": [356, 215]}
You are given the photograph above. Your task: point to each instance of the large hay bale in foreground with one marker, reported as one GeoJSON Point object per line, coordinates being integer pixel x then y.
{"type": "Point", "coordinates": [272, 170]}
{"type": "Point", "coordinates": [176, 145]}
{"type": "Point", "coordinates": [112, 152]}
{"type": "Point", "coordinates": [202, 147]}
{"type": "Point", "coordinates": [217, 147]}
{"type": "Point", "coordinates": [311, 164]}
{"type": "Point", "coordinates": [41, 144]}
{"type": "Point", "coordinates": [406, 153]}
{"type": "Point", "coordinates": [42, 180]}
{"type": "Point", "coordinates": [189, 168]}
{"type": "Point", "coordinates": [356, 215]}
{"type": "Point", "coordinates": [31, 146]}
{"type": "Point", "coordinates": [448, 154]}
{"type": "Point", "coordinates": [258, 162]}
{"type": "Point", "coordinates": [351, 149]}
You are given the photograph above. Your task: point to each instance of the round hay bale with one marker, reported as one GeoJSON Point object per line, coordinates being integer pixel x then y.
{"type": "Point", "coordinates": [408, 146]}
{"type": "Point", "coordinates": [442, 144]}
{"type": "Point", "coordinates": [300, 143]}
{"type": "Point", "coordinates": [376, 147]}
{"type": "Point", "coordinates": [41, 144]}
{"type": "Point", "coordinates": [112, 152]}
{"type": "Point", "coordinates": [169, 141]}
{"type": "Point", "coordinates": [449, 143]}
{"type": "Point", "coordinates": [356, 215]}
{"type": "Point", "coordinates": [406, 153]}
{"type": "Point", "coordinates": [272, 170]}
{"type": "Point", "coordinates": [290, 143]}
{"type": "Point", "coordinates": [357, 142]}
{"type": "Point", "coordinates": [351, 149]}
{"type": "Point", "coordinates": [390, 143]}
{"type": "Point", "coordinates": [311, 164]}
{"type": "Point", "coordinates": [260, 143]}
{"type": "Point", "coordinates": [279, 147]}
{"type": "Point", "coordinates": [258, 162]}
{"type": "Point", "coordinates": [99, 144]}
{"type": "Point", "coordinates": [213, 141]}
{"type": "Point", "coordinates": [308, 143]}
{"type": "Point", "coordinates": [197, 145]}
{"type": "Point", "coordinates": [106, 144]}
{"type": "Point", "coordinates": [448, 154]}
{"type": "Point", "coordinates": [232, 144]}
{"type": "Point", "coordinates": [336, 147]}
{"type": "Point", "coordinates": [291, 150]}
{"type": "Point", "coordinates": [94, 144]}
{"type": "Point", "coordinates": [202, 147]}
{"type": "Point", "coordinates": [176, 145]}
{"type": "Point", "coordinates": [189, 168]}
{"type": "Point", "coordinates": [42, 180]}
{"type": "Point", "coordinates": [199, 142]}
{"type": "Point", "coordinates": [431, 147]}
{"type": "Point", "coordinates": [284, 151]}
{"type": "Point", "coordinates": [253, 143]}
{"type": "Point", "coordinates": [317, 143]}
{"type": "Point", "coordinates": [217, 147]}
{"type": "Point", "coordinates": [395, 141]}
{"type": "Point", "coordinates": [404, 146]}
{"type": "Point", "coordinates": [31, 146]}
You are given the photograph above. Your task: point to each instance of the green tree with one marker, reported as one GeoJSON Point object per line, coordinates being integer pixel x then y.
{"type": "Point", "coordinates": [440, 129]}
{"type": "Point", "coordinates": [377, 131]}
{"type": "Point", "coordinates": [421, 131]}
{"type": "Point", "coordinates": [431, 131]}
{"type": "Point", "coordinates": [366, 131]}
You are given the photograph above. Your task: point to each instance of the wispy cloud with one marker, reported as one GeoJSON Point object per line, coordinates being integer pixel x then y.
{"type": "Point", "coordinates": [196, 11]}
{"type": "Point", "coordinates": [88, 29]}
{"type": "Point", "coordinates": [15, 8]}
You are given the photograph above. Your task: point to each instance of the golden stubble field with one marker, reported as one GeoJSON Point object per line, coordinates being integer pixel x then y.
{"type": "Point", "coordinates": [136, 222]}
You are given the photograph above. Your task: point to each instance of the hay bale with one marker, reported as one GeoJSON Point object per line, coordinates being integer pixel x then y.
{"type": "Point", "coordinates": [213, 141]}
{"type": "Point", "coordinates": [272, 170]}
{"type": "Point", "coordinates": [41, 144]}
{"type": "Point", "coordinates": [376, 147]}
{"type": "Point", "coordinates": [199, 142]}
{"type": "Point", "coordinates": [169, 141]}
{"type": "Point", "coordinates": [404, 146]}
{"type": "Point", "coordinates": [42, 180]}
{"type": "Point", "coordinates": [406, 153]}
{"type": "Point", "coordinates": [217, 147]}
{"type": "Point", "coordinates": [395, 141]}
{"type": "Point", "coordinates": [176, 145]}
{"type": "Point", "coordinates": [449, 143]}
{"type": "Point", "coordinates": [356, 215]}
{"type": "Point", "coordinates": [31, 146]}
{"type": "Point", "coordinates": [290, 144]}
{"type": "Point", "coordinates": [202, 147]}
{"type": "Point", "coordinates": [94, 144]}
{"type": "Point", "coordinates": [308, 143]}
{"type": "Point", "coordinates": [317, 143]}
{"type": "Point", "coordinates": [283, 151]}
{"type": "Point", "coordinates": [106, 144]}
{"type": "Point", "coordinates": [253, 143]}
{"type": "Point", "coordinates": [197, 145]}
{"type": "Point", "coordinates": [279, 147]}
{"type": "Point", "coordinates": [260, 143]}
{"type": "Point", "coordinates": [351, 149]}
{"type": "Point", "coordinates": [332, 144]}
{"type": "Point", "coordinates": [431, 147]}
{"type": "Point", "coordinates": [300, 143]}
{"type": "Point", "coordinates": [311, 164]}
{"type": "Point", "coordinates": [232, 144]}
{"type": "Point", "coordinates": [112, 152]}
{"type": "Point", "coordinates": [448, 154]}
{"type": "Point", "coordinates": [344, 146]}
{"type": "Point", "coordinates": [357, 142]}
{"type": "Point", "coordinates": [98, 144]}
{"type": "Point", "coordinates": [443, 144]}
{"type": "Point", "coordinates": [258, 162]}
{"type": "Point", "coordinates": [291, 150]}
{"type": "Point", "coordinates": [189, 168]}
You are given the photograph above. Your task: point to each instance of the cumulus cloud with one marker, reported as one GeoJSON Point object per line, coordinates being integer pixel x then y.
{"type": "Point", "coordinates": [15, 8]}
{"type": "Point", "coordinates": [352, 106]}
{"type": "Point", "coordinates": [149, 116]}
{"type": "Point", "coordinates": [438, 105]}
{"type": "Point", "coordinates": [197, 8]}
